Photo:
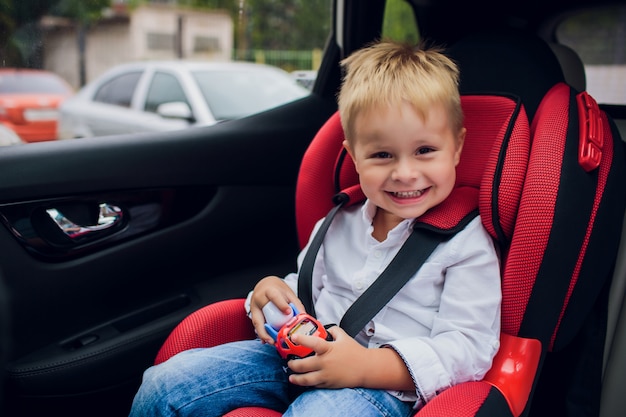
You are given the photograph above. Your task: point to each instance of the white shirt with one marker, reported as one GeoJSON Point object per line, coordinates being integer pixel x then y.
{"type": "Point", "coordinates": [444, 323]}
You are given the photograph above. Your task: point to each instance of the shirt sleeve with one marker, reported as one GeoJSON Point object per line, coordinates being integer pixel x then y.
{"type": "Point", "coordinates": [466, 329]}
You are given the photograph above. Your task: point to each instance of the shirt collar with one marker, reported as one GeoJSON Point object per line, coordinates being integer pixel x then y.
{"type": "Point", "coordinates": [368, 210]}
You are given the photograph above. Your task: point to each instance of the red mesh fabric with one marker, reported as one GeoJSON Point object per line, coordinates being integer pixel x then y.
{"type": "Point", "coordinates": [316, 187]}
{"type": "Point", "coordinates": [454, 208]}
{"type": "Point", "coordinates": [513, 171]}
{"type": "Point", "coordinates": [487, 120]}
{"type": "Point", "coordinates": [463, 400]}
{"type": "Point", "coordinates": [534, 221]}
{"type": "Point", "coordinates": [505, 161]}
{"type": "Point", "coordinates": [253, 412]}
{"type": "Point", "coordinates": [215, 324]}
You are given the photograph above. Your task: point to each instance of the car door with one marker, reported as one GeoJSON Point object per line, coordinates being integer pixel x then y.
{"type": "Point", "coordinates": [107, 243]}
{"type": "Point", "coordinates": [107, 109]}
{"type": "Point", "coordinates": [165, 88]}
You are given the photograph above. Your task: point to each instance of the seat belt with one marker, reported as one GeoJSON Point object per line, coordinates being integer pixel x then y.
{"type": "Point", "coordinates": [305, 276]}
{"type": "Point", "coordinates": [416, 249]}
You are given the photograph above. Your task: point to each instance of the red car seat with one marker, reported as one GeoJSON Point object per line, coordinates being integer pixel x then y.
{"type": "Point", "coordinates": [548, 191]}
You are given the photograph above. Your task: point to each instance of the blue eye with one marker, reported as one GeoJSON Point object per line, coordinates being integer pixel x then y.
{"type": "Point", "coordinates": [424, 150]}
{"type": "Point", "coordinates": [381, 155]}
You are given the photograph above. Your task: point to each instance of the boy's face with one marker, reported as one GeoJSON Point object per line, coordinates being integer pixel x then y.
{"type": "Point", "coordinates": [406, 164]}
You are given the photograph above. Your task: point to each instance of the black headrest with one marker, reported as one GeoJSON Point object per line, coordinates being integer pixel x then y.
{"type": "Point", "coordinates": [515, 63]}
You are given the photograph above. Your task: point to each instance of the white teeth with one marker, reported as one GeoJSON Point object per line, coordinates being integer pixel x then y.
{"type": "Point", "coordinates": [408, 194]}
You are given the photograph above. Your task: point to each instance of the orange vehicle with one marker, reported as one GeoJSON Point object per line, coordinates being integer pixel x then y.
{"type": "Point", "coordinates": [29, 100]}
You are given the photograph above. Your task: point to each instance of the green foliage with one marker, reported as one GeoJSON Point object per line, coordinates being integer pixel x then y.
{"type": "Point", "coordinates": [286, 24]}
{"type": "Point", "coordinates": [399, 22]}
{"type": "Point", "coordinates": [83, 11]}
{"type": "Point", "coordinates": [271, 24]}
{"type": "Point", "coordinates": [25, 11]}
{"type": "Point", "coordinates": [9, 54]}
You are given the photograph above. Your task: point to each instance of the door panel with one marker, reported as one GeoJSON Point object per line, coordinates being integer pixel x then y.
{"type": "Point", "coordinates": [206, 213]}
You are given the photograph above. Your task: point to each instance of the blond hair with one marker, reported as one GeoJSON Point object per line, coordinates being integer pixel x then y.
{"type": "Point", "coordinates": [387, 73]}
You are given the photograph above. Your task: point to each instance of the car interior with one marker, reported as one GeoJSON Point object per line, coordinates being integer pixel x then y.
{"type": "Point", "coordinates": [117, 249]}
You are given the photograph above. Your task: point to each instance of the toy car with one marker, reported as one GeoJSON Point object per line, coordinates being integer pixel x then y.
{"type": "Point", "coordinates": [300, 323]}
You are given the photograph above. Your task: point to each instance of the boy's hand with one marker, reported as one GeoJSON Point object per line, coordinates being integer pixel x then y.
{"type": "Point", "coordinates": [344, 363]}
{"type": "Point", "coordinates": [272, 289]}
{"type": "Point", "coordinates": [336, 364]}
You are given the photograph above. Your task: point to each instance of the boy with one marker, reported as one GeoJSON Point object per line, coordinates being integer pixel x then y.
{"type": "Point", "coordinates": [401, 114]}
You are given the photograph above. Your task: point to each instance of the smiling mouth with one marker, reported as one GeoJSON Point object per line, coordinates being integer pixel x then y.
{"type": "Point", "coordinates": [408, 194]}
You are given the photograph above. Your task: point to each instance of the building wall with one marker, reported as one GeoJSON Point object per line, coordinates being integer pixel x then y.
{"type": "Point", "coordinates": [155, 29]}
{"type": "Point", "coordinates": [149, 32]}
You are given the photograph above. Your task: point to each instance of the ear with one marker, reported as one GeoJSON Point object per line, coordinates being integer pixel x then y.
{"type": "Point", "coordinates": [347, 147]}
{"type": "Point", "coordinates": [460, 141]}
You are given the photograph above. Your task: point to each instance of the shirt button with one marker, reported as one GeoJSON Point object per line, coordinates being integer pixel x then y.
{"type": "Point", "coordinates": [377, 254]}
{"type": "Point", "coordinates": [358, 285]}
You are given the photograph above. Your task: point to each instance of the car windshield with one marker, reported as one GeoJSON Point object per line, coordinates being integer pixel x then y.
{"type": "Point", "coordinates": [24, 82]}
{"type": "Point", "coordinates": [233, 94]}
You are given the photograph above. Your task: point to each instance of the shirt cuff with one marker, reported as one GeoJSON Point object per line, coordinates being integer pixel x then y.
{"type": "Point", "coordinates": [427, 372]}
{"type": "Point", "coordinates": [246, 304]}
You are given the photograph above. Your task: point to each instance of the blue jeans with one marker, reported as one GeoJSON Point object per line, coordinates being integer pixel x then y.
{"type": "Point", "coordinates": [211, 382]}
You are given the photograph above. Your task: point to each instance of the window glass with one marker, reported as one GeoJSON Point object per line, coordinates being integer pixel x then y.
{"type": "Point", "coordinates": [119, 90]}
{"type": "Point", "coordinates": [164, 88]}
{"type": "Point", "coordinates": [235, 93]}
{"type": "Point", "coordinates": [30, 82]}
{"type": "Point", "coordinates": [399, 22]}
{"type": "Point", "coordinates": [80, 40]}
{"type": "Point", "coordinates": [598, 36]}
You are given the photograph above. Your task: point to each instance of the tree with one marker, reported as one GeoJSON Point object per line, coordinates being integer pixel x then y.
{"type": "Point", "coordinates": [20, 37]}
{"type": "Point", "coordinates": [271, 24]}
{"type": "Point", "coordinates": [20, 43]}
{"type": "Point", "coordinates": [287, 24]}
{"type": "Point", "coordinates": [8, 50]}
{"type": "Point", "coordinates": [84, 13]}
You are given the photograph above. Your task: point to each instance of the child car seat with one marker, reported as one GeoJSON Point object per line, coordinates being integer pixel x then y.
{"type": "Point", "coordinates": [548, 192]}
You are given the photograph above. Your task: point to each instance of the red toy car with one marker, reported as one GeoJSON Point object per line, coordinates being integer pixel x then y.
{"type": "Point", "coordinates": [300, 323]}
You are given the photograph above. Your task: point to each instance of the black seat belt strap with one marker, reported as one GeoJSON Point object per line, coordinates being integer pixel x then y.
{"type": "Point", "coordinates": [409, 259]}
{"type": "Point", "coordinates": [416, 249]}
{"type": "Point", "coordinates": [305, 276]}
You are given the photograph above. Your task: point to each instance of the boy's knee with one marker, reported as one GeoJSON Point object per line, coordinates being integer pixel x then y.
{"type": "Point", "coordinates": [154, 393]}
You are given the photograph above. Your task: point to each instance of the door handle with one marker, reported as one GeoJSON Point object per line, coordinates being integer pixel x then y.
{"type": "Point", "coordinates": [108, 217]}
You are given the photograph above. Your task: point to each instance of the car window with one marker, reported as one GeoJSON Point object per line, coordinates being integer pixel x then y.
{"type": "Point", "coordinates": [598, 35]}
{"type": "Point", "coordinates": [119, 90]}
{"type": "Point", "coordinates": [82, 40]}
{"type": "Point", "coordinates": [233, 94]}
{"type": "Point", "coordinates": [399, 22]}
{"type": "Point", "coordinates": [27, 82]}
{"type": "Point", "coordinates": [164, 88]}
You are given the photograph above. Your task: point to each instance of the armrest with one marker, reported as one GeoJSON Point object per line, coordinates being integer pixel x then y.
{"type": "Point", "coordinates": [514, 369]}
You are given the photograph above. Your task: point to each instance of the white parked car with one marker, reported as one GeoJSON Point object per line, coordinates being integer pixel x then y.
{"type": "Point", "coordinates": [168, 95]}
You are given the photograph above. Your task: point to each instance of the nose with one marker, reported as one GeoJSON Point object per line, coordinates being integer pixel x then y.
{"type": "Point", "coordinates": [405, 170]}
